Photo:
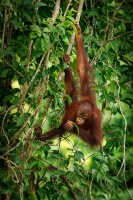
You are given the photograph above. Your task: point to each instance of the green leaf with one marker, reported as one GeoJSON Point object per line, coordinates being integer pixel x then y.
{"type": "Point", "coordinates": [40, 4]}
{"type": "Point", "coordinates": [59, 172]}
{"type": "Point", "coordinates": [46, 30]}
{"type": "Point", "coordinates": [45, 72]}
{"type": "Point", "coordinates": [76, 167]}
{"type": "Point", "coordinates": [33, 196]}
{"type": "Point", "coordinates": [46, 147]}
{"type": "Point", "coordinates": [93, 171]}
{"type": "Point", "coordinates": [61, 29]}
{"type": "Point", "coordinates": [93, 12]}
{"type": "Point", "coordinates": [112, 4]}
{"type": "Point", "coordinates": [79, 155]}
{"type": "Point", "coordinates": [4, 73]}
{"type": "Point", "coordinates": [123, 27]}
{"type": "Point", "coordinates": [69, 99]}
{"type": "Point", "coordinates": [109, 58]}
{"type": "Point", "coordinates": [43, 44]}
{"type": "Point", "coordinates": [120, 11]}
{"type": "Point", "coordinates": [56, 153]}
{"type": "Point", "coordinates": [107, 47]}
{"type": "Point", "coordinates": [8, 98]}
{"type": "Point", "coordinates": [115, 45]}
{"type": "Point", "coordinates": [65, 66]}
{"type": "Point", "coordinates": [33, 35]}
{"type": "Point", "coordinates": [68, 23]}
{"type": "Point", "coordinates": [70, 18]}
{"type": "Point", "coordinates": [15, 100]}
{"type": "Point", "coordinates": [35, 28]}
{"type": "Point", "coordinates": [71, 176]}
{"type": "Point", "coordinates": [27, 16]}
{"type": "Point", "coordinates": [104, 168]}
{"type": "Point", "coordinates": [20, 120]}
{"type": "Point", "coordinates": [42, 193]}
{"type": "Point", "coordinates": [98, 177]}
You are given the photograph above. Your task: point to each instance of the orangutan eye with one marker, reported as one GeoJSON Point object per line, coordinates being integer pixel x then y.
{"type": "Point", "coordinates": [85, 116]}
{"type": "Point", "coordinates": [80, 114]}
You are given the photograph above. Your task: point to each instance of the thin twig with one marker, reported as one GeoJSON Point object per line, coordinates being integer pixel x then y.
{"type": "Point", "coordinates": [38, 69]}
{"type": "Point", "coordinates": [105, 32]}
{"type": "Point", "coordinates": [114, 38]}
{"type": "Point", "coordinates": [64, 178]}
{"type": "Point", "coordinates": [73, 33]}
{"type": "Point", "coordinates": [67, 8]}
{"type": "Point", "coordinates": [55, 12]}
{"type": "Point", "coordinates": [54, 16]}
{"type": "Point", "coordinates": [9, 162]}
{"type": "Point", "coordinates": [26, 86]}
{"type": "Point", "coordinates": [123, 165]}
{"type": "Point", "coordinates": [12, 141]}
{"type": "Point", "coordinates": [111, 20]}
{"type": "Point", "coordinates": [28, 55]}
{"type": "Point", "coordinates": [3, 122]}
{"type": "Point", "coordinates": [90, 188]}
{"type": "Point", "coordinates": [15, 70]}
{"type": "Point", "coordinates": [69, 187]}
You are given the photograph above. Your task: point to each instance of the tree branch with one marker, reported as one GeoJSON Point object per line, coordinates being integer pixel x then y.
{"type": "Point", "coordinates": [67, 7]}
{"type": "Point", "coordinates": [64, 178]}
{"type": "Point", "coordinates": [55, 12]}
{"type": "Point", "coordinates": [69, 187]}
{"type": "Point", "coordinates": [28, 55]}
{"type": "Point", "coordinates": [73, 33]}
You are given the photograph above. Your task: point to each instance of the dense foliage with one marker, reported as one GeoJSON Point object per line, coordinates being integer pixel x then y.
{"type": "Point", "coordinates": [33, 44]}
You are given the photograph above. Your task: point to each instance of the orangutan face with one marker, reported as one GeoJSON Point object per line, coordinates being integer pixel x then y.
{"type": "Point", "coordinates": [83, 114]}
